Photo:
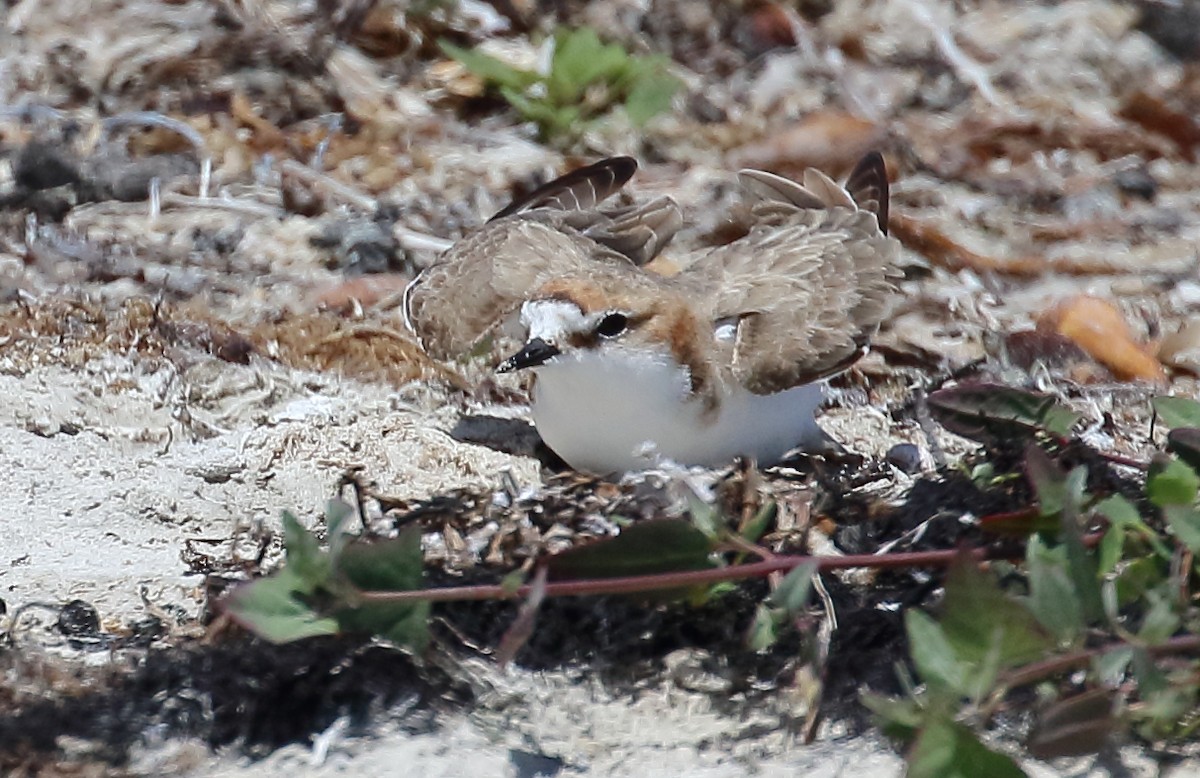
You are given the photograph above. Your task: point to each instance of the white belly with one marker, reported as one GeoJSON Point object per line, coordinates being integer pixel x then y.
{"type": "Point", "coordinates": [616, 415]}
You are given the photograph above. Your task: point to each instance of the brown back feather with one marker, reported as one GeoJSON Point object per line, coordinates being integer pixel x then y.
{"type": "Point", "coordinates": [810, 283]}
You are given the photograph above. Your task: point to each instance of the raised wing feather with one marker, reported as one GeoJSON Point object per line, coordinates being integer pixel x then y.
{"type": "Point", "coordinates": [580, 190]}
{"type": "Point", "coordinates": [809, 285]}
{"type": "Point", "coordinates": [555, 231]}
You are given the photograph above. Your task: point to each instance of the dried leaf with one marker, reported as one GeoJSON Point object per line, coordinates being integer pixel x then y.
{"type": "Point", "coordinates": [1181, 349]}
{"type": "Point", "coordinates": [826, 140]}
{"type": "Point", "coordinates": [1097, 327]}
{"type": "Point", "coordinates": [1155, 115]}
{"type": "Point", "coordinates": [1079, 725]}
{"type": "Point", "coordinates": [986, 411]}
{"type": "Point", "coordinates": [519, 631]}
{"type": "Point", "coordinates": [645, 548]}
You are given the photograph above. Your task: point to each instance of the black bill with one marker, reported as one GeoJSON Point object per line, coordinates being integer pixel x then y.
{"type": "Point", "coordinates": [535, 352]}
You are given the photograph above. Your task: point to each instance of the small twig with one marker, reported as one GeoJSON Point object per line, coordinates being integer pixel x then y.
{"type": "Point", "coordinates": [247, 207]}
{"type": "Point", "coordinates": [736, 542]}
{"type": "Point", "coordinates": [329, 184]}
{"type": "Point", "coordinates": [967, 69]}
{"type": "Point", "coordinates": [518, 633]}
{"type": "Point", "coordinates": [410, 240]}
{"type": "Point", "coordinates": [364, 331]}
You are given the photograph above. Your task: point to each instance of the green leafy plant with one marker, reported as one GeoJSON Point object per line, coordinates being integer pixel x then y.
{"type": "Point", "coordinates": [1123, 584]}
{"type": "Point", "coordinates": [1094, 612]}
{"type": "Point", "coordinates": [586, 78]}
{"type": "Point", "coordinates": [318, 591]}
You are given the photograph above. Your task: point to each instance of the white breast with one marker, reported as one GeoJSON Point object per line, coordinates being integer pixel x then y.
{"type": "Point", "coordinates": [614, 414]}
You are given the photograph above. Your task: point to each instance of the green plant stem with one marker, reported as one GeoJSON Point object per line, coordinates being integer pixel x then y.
{"type": "Point", "coordinates": [645, 583]}
{"type": "Point", "coordinates": [1035, 672]}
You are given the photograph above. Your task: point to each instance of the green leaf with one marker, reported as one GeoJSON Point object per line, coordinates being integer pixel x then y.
{"type": "Point", "coordinates": [1064, 495]}
{"type": "Point", "coordinates": [898, 717]}
{"type": "Point", "coordinates": [1171, 482]}
{"type": "Point", "coordinates": [762, 634]}
{"type": "Point", "coordinates": [1122, 514]}
{"type": "Point", "coordinates": [937, 662]}
{"type": "Point", "coordinates": [650, 95]}
{"type": "Point", "coordinates": [1109, 667]}
{"type": "Point", "coordinates": [645, 548]}
{"type": "Point", "coordinates": [488, 67]}
{"type": "Point", "coordinates": [337, 514]}
{"type": "Point", "coordinates": [393, 565]}
{"type": "Point", "coordinates": [271, 608]}
{"type": "Point", "coordinates": [705, 516]}
{"type": "Point", "coordinates": [1150, 679]}
{"type": "Point", "coordinates": [975, 608]}
{"type": "Point", "coordinates": [551, 120]}
{"type": "Point", "coordinates": [1081, 561]}
{"type": "Point", "coordinates": [1112, 546]}
{"type": "Point", "coordinates": [1137, 577]}
{"type": "Point", "coordinates": [1055, 490]}
{"type": "Point", "coordinates": [1052, 596]}
{"type": "Point", "coordinates": [1185, 444]}
{"type": "Point", "coordinates": [1160, 621]}
{"type": "Point", "coordinates": [1177, 411]}
{"type": "Point", "coordinates": [754, 529]}
{"type": "Point", "coordinates": [792, 592]}
{"type": "Point", "coordinates": [306, 561]}
{"type": "Point", "coordinates": [945, 749]}
{"type": "Point", "coordinates": [987, 412]}
{"type": "Point", "coordinates": [581, 60]}
{"type": "Point", "coordinates": [512, 582]}
{"type": "Point", "coordinates": [1184, 522]}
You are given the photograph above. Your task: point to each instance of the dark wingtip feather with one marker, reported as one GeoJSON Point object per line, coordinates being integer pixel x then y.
{"type": "Point", "coordinates": [580, 189]}
{"type": "Point", "coordinates": [868, 185]}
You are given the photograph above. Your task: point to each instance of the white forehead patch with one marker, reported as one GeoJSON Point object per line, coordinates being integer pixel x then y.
{"type": "Point", "coordinates": [550, 320]}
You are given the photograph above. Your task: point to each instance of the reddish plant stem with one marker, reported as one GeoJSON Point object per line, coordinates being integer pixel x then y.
{"type": "Point", "coordinates": [645, 583]}
{"type": "Point", "coordinates": [1023, 676]}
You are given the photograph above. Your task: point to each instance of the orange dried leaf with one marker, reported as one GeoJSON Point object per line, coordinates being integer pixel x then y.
{"type": "Point", "coordinates": [827, 140]}
{"type": "Point", "coordinates": [1099, 328]}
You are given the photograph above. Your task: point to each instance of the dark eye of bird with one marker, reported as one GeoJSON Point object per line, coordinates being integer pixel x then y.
{"type": "Point", "coordinates": [612, 325]}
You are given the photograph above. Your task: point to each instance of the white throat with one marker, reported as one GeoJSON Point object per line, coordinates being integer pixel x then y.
{"type": "Point", "coordinates": [628, 410]}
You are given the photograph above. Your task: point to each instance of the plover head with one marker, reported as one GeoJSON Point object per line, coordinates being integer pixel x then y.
{"type": "Point", "coordinates": [576, 318]}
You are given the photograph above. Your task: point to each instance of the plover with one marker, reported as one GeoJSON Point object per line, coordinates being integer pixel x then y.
{"type": "Point", "coordinates": [725, 358]}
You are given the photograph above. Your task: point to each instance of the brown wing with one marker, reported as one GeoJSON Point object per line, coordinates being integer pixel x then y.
{"type": "Point", "coordinates": [580, 190]}
{"type": "Point", "coordinates": [808, 286]}
{"type": "Point", "coordinates": [555, 231]}
{"type": "Point", "coordinates": [868, 187]}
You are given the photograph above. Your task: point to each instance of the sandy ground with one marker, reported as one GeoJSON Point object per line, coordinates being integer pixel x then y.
{"type": "Point", "coordinates": [106, 508]}
{"type": "Point", "coordinates": [1010, 128]}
